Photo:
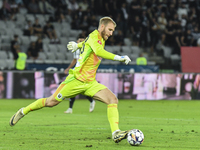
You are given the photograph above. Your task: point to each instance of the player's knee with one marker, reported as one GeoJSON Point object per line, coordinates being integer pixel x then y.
{"type": "Point", "coordinates": [50, 102]}
{"type": "Point", "coordinates": [114, 100]}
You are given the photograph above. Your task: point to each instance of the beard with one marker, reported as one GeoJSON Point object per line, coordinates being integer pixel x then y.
{"type": "Point", "coordinates": [103, 34]}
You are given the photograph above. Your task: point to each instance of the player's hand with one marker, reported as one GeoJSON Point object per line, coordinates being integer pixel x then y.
{"type": "Point", "coordinates": [72, 46]}
{"type": "Point", "coordinates": [124, 59]}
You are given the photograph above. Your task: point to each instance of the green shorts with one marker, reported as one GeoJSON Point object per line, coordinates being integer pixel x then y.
{"type": "Point", "coordinates": [72, 87]}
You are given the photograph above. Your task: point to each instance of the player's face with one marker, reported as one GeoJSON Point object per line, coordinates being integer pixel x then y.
{"type": "Point", "coordinates": [108, 31]}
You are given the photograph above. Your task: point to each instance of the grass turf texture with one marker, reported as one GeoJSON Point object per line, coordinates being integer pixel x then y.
{"type": "Point", "coordinates": [165, 124]}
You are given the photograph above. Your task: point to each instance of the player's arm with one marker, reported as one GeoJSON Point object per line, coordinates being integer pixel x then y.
{"type": "Point", "coordinates": [101, 52]}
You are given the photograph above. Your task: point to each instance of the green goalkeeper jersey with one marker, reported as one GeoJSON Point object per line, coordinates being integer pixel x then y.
{"type": "Point", "coordinates": [92, 52]}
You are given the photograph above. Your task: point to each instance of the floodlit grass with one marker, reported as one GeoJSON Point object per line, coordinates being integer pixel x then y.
{"type": "Point", "coordinates": [165, 124]}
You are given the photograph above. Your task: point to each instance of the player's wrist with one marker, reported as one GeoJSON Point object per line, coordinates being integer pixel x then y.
{"type": "Point", "coordinates": [117, 57]}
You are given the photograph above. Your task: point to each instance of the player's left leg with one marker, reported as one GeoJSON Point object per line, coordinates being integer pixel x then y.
{"type": "Point", "coordinates": [38, 104]}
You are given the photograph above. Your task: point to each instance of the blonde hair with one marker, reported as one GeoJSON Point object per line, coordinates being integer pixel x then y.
{"type": "Point", "coordinates": [106, 20]}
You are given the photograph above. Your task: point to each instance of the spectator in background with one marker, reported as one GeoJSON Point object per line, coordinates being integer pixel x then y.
{"type": "Point", "coordinates": [135, 27]}
{"type": "Point", "coordinates": [28, 30]}
{"type": "Point", "coordinates": [75, 22]}
{"type": "Point", "coordinates": [72, 7]}
{"type": "Point", "coordinates": [14, 8]}
{"type": "Point", "coordinates": [168, 35]}
{"type": "Point", "coordinates": [141, 60]}
{"type": "Point", "coordinates": [20, 3]}
{"type": "Point", "coordinates": [5, 13]}
{"type": "Point", "coordinates": [119, 38]}
{"type": "Point", "coordinates": [39, 45]}
{"type": "Point", "coordinates": [135, 7]}
{"type": "Point", "coordinates": [45, 7]}
{"type": "Point", "coordinates": [177, 44]}
{"type": "Point", "coordinates": [195, 35]}
{"type": "Point", "coordinates": [124, 14]}
{"type": "Point", "coordinates": [15, 47]}
{"type": "Point", "coordinates": [32, 52]}
{"type": "Point", "coordinates": [144, 31]}
{"type": "Point", "coordinates": [186, 38]}
{"type": "Point", "coordinates": [83, 5]}
{"type": "Point", "coordinates": [162, 21]}
{"type": "Point", "coordinates": [37, 28]}
{"type": "Point", "coordinates": [154, 34]}
{"type": "Point", "coordinates": [59, 15]}
{"type": "Point", "coordinates": [21, 60]}
{"type": "Point", "coordinates": [33, 7]}
{"type": "Point", "coordinates": [50, 32]}
{"type": "Point", "coordinates": [84, 25]}
{"type": "Point", "coordinates": [175, 21]}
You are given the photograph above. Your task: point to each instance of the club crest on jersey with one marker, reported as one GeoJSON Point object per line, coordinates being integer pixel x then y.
{"type": "Point", "coordinates": [59, 95]}
{"type": "Point", "coordinates": [99, 42]}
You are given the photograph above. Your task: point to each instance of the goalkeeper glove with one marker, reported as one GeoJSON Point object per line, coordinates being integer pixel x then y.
{"type": "Point", "coordinates": [72, 46]}
{"type": "Point", "coordinates": [125, 59]}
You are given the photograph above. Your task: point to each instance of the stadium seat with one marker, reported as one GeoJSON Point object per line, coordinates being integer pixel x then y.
{"type": "Point", "coordinates": [126, 50]}
{"type": "Point", "coordinates": [60, 56]}
{"type": "Point", "coordinates": [3, 55]}
{"type": "Point", "coordinates": [45, 48]}
{"type": "Point", "coordinates": [69, 56]}
{"type": "Point", "coordinates": [10, 24]}
{"type": "Point", "coordinates": [24, 48]}
{"type": "Point", "coordinates": [135, 49]}
{"type": "Point", "coordinates": [127, 42]}
{"type": "Point", "coordinates": [116, 49]}
{"type": "Point", "coordinates": [5, 46]}
{"type": "Point", "coordinates": [46, 41]}
{"type": "Point", "coordinates": [18, 31]}
{"type": "Point", "coordinates": [30, 17]}
{"type": "Point", "coordinates": [5, 39]}
{"type": "Point", "coordinates": [133, 57]}
{"type": "Point", "coordinates": [25, 40]}
{"type": "Point", "coordinates": [10, 55]}
{"type": "Point", "coordinates": [53, 48]}
{"type": "Point", "coordinates": [30, 61]}
{"type": "Point", "coordinates": [74, 33]}
{"type": "Point", "coordinates": [63, 40]}
{"type": "Point", "coordinates": [72, 39]}
{"type": "Point", "coordinates": [51, 57]}
{"type": "Point", "coordinates": [3, 65]}
{"type": "Point", "coordinates": [65, 32]}
{"type": "Point", "coordinates": [10, 32]}
{"type": "Point", "coordinates": [23, 10]}
{"type": "Point", "coordinates": [33, 38]}
{"type": "Point", "coordinates": [10, 63]}
{"type": "Point", "coordinates": [62, 48]}
{"type": "Point", "coordinates": [2, 31]}
{"type": "Point", "coordinates": [41, 58]}
{"type": "Point", "coordinates": [109, 48]}
{"type": "Point", "coordinates": [2, 24]}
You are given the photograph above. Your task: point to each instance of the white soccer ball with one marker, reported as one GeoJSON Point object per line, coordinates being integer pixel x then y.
{"type": "Point", "coordinates": [135, 137]}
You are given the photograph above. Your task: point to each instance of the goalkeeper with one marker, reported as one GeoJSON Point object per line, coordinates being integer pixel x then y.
{"type": "Point", "coordinates": [81, 80]}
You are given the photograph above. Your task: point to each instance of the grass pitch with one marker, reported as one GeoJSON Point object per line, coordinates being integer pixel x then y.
{"type": "Point", "coordinates": [165, 124]}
